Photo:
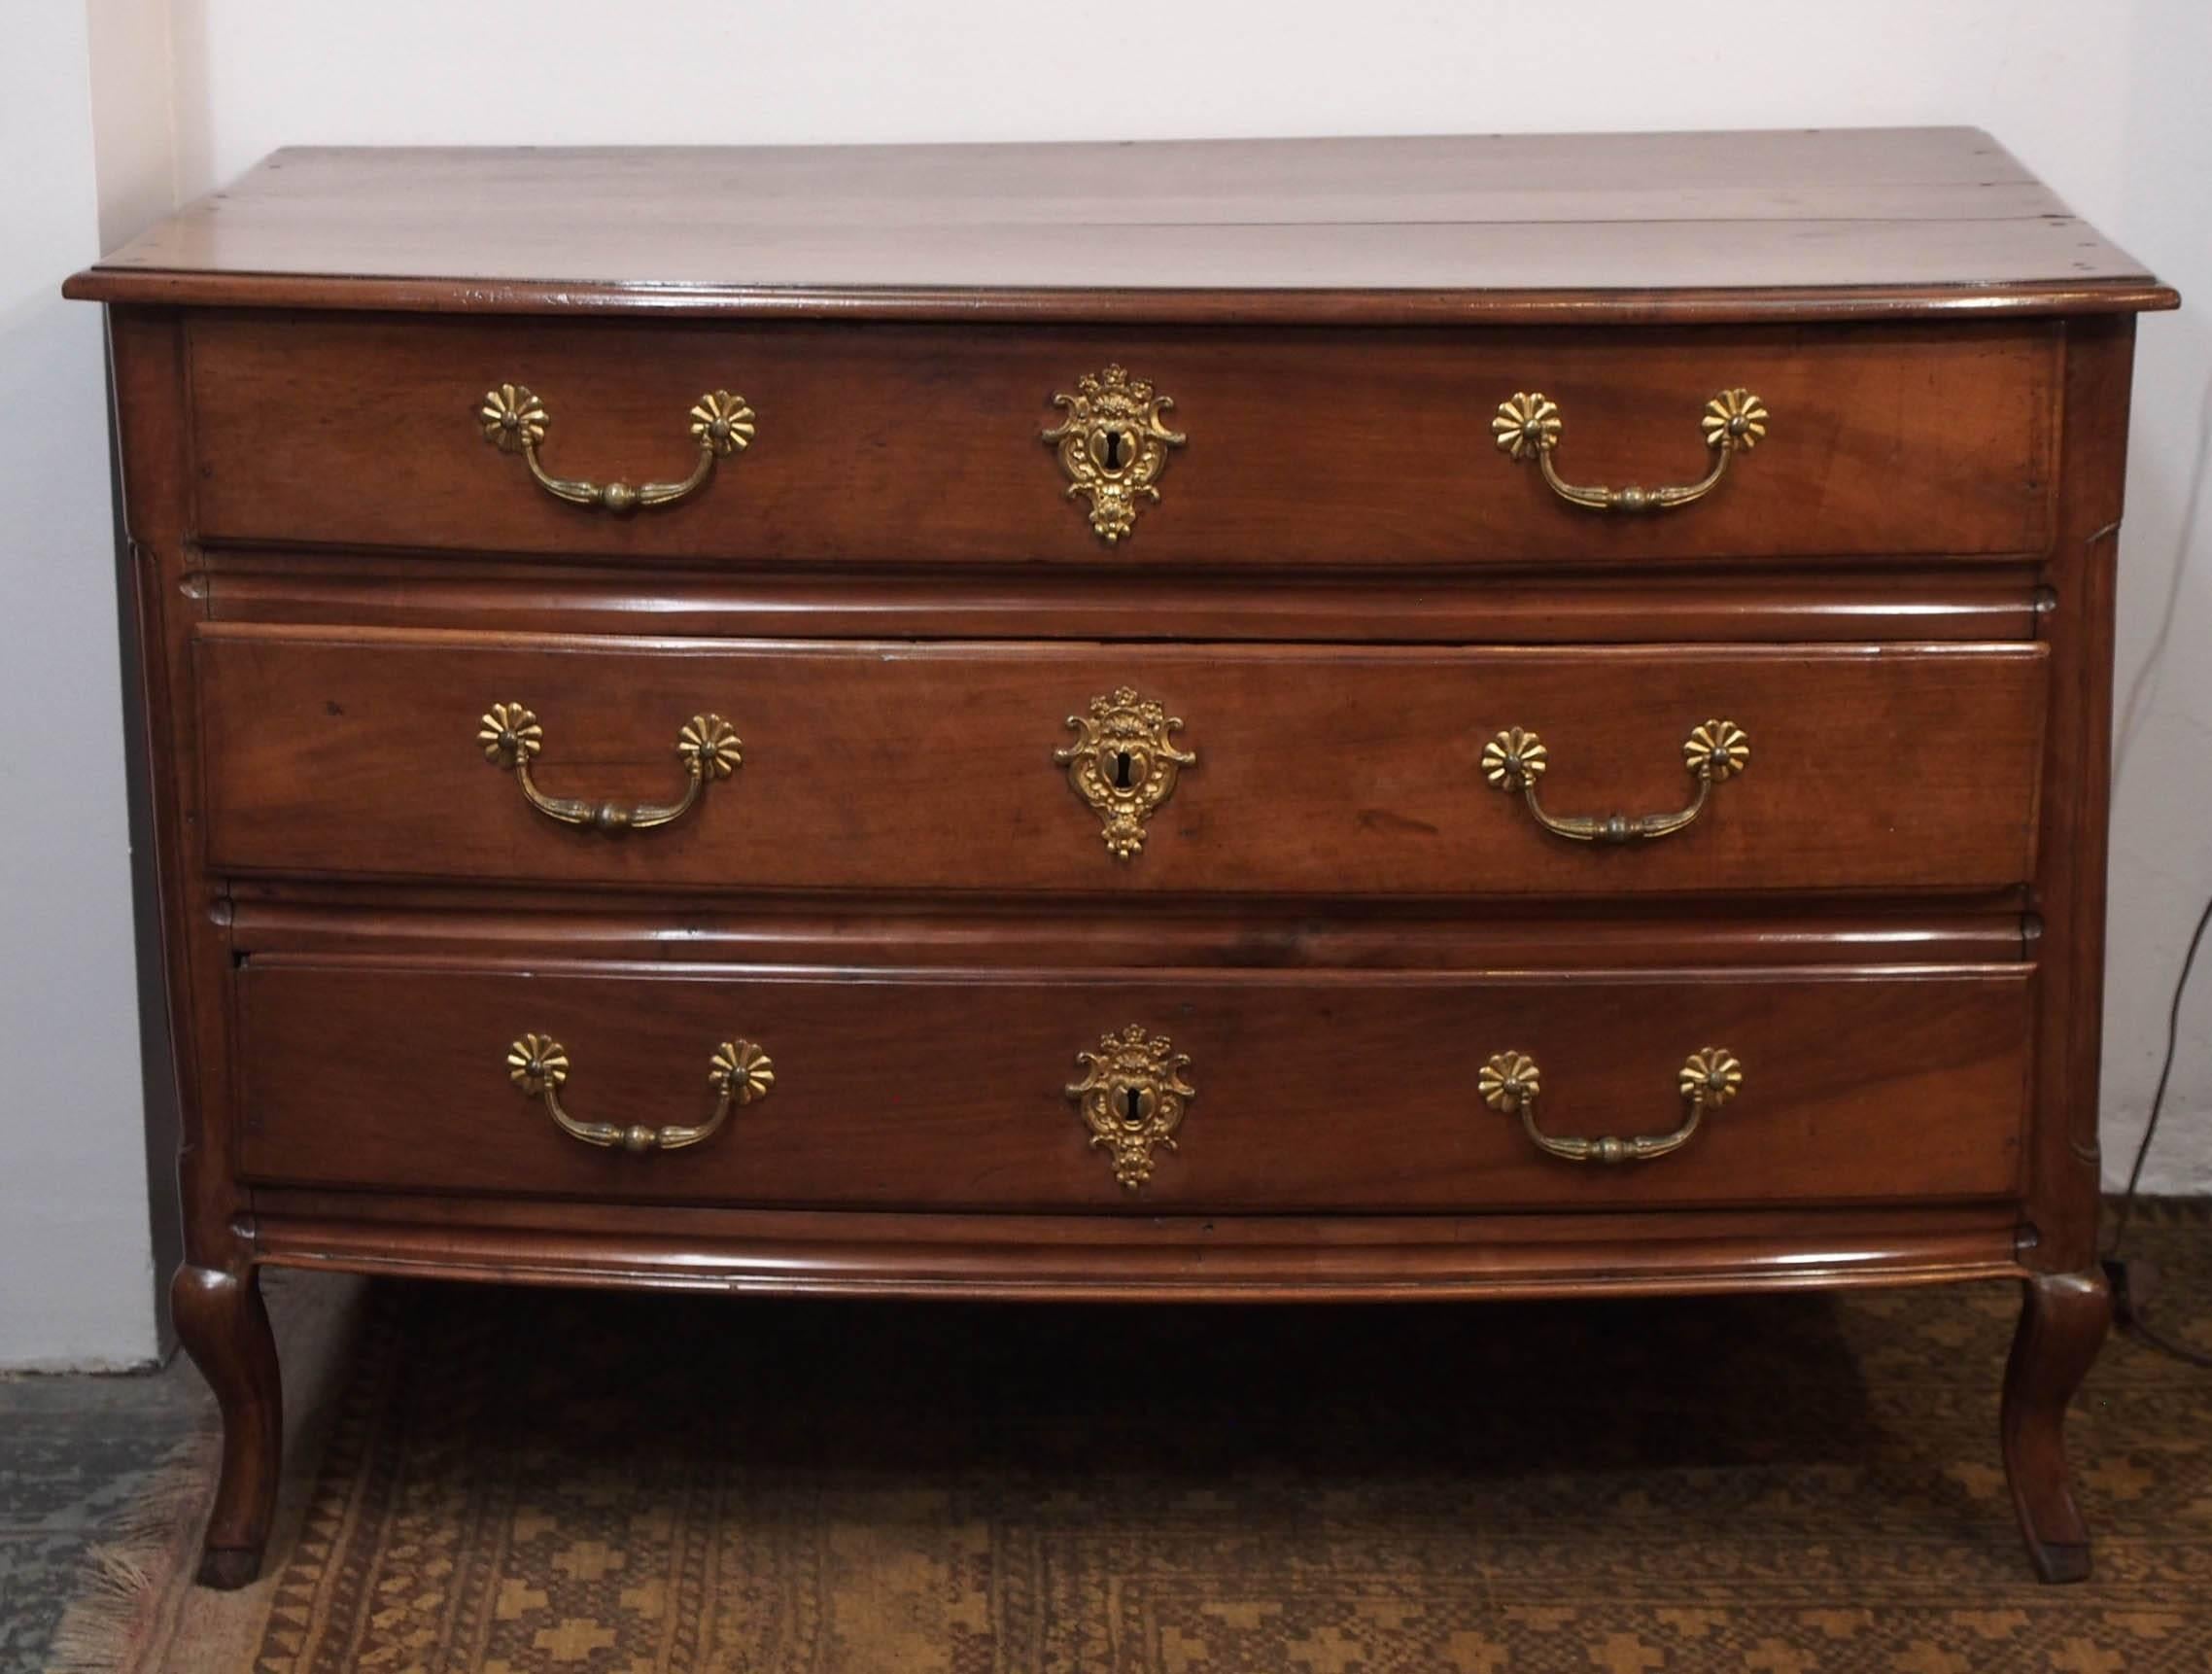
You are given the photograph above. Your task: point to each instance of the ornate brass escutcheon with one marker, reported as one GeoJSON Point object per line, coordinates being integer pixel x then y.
{"type": "Point", "coordinates": [511, 736]}
{"type": "Point", "coordinates": [738, 1071]}
{"type": "Point", "coordinates": [1124, 763]}
{"type": "Point", "coordinates": [1113, 446]}
{"type": "Point", "coordinates": [515, 421]}
{"type": "Point", "coordinates": [1131, 1098]}
{"type": "Point", "coordinates": [1529, 427]}
{"type": "Point", "coordinates": [1714, 753]}
{"type": "Point", "coordinates": [1510, 1082]}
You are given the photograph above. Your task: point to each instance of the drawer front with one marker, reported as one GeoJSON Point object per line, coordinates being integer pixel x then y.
{"type": "Point", "coordinates": [1208, 1090]}
{"type": "Point", "coordinates": [902, 445]}
{"type": "Point", "coordinates": [1313, 770]}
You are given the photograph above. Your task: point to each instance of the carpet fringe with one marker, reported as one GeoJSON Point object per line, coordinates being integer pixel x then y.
{"type": "Point", "coordinates": [128, 1580]}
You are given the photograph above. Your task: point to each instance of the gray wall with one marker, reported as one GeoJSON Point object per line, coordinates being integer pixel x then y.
{"type": "Point", "coordinates": [76, 1265]}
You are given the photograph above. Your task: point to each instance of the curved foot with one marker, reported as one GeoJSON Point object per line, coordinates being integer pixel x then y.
{"type": "Point", "coordinates": [2062, 1322]}
{"type": "Point", "coordinates": [225, 1330]}
{"type": "Point", "coordinates": [229, 1568]}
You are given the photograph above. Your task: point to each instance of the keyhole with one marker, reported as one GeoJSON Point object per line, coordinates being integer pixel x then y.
{"type": "Point", "coordinates": [1122, 770]}
{"type": "Point", "coordinates": [1117, 449]}
{"type": "Point", "coordinates": [1134, 1098]}
{"type": "Point", "coordinates": [1113, 449]}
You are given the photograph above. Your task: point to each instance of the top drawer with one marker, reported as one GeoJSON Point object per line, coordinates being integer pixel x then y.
{"type": "Point", "coordinates": [881, 444]}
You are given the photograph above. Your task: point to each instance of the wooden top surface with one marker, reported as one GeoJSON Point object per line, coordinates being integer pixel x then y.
{"type": "Point", "coordinates": [1796, 224]}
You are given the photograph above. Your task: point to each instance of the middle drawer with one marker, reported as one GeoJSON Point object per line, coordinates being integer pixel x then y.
{"type": "Point", "coordinates": [1291, 770]}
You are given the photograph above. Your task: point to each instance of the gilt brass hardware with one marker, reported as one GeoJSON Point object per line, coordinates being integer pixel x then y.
{"type": "Point", "coordinates": [515, 421]}
{"type": "Point", "coordinates": [1132, 1096]}
{"type": "Point", "coordinates": [511, 737]}
{"type": "Point", "coordinates": [1516, 758]}
{"type": "Point", "coordinates": [1510, 1082]}
{"type": "Point", "coordinates": [1113, 446]}
{"type": "Point", "coordinates": [1528, 425]}
{"type": "Point", "coordinates": [1124, 763]}
{"type": "Point", "coordinates": [739, 1072]}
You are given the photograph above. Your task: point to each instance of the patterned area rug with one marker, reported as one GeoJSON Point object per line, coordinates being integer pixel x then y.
{"type": "Point", "coordinates": [544, 1481]}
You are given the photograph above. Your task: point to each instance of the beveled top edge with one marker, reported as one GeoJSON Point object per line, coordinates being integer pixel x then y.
{"type": "Point", "coordinates": [1158, 308]}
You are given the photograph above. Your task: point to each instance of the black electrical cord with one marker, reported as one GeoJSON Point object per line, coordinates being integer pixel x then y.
{"type": "Point", "coordinates": [2130, 1315]}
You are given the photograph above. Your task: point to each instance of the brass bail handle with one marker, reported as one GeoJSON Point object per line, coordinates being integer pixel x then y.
{"type": "Point", "coordinates": [739, 1072]}
{"type": "Point", "coordinates": [515, 421]}
{"type": "Point", "coordinates": [1716, 750]}
{"type": "Point", "coordinates": [1510, 1082]}
{"type": "Point", "coordinates": [1529, 427]}
{"type": "Point", "coordinates": [511, 738]}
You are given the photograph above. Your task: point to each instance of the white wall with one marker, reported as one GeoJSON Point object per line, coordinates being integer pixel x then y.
{"type": "Point", "coordinates": [134, 130]}
{"type": "Point", "coordinates": [2162, 853]}
{"type": "Point", "coordinates": [75, 1269]}
{"type": "Point", "coordinates": [2100, 98]}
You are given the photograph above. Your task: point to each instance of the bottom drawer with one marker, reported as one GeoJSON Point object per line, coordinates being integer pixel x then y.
{"type": "Point", "coordinates": [1210, 1090]}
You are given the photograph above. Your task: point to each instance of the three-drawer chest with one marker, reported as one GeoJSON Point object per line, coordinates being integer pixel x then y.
{"type": "Point", "coordinates": [1385, 719]}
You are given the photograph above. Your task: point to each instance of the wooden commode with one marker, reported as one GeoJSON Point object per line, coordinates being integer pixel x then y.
{"type": "Point", "coordinates": [1385, 719]}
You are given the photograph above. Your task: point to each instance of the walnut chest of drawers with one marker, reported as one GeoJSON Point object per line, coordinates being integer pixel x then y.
{"type": "Point", "coordinates": [1104, 722]}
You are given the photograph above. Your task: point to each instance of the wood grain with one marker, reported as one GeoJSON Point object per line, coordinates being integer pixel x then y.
{"type": "Point", "coordinates": [936, 1255]}
{"type": "Point", "coordinates": [919, 445]}
{"type": "Point", "coordinates": [1332, 771]}
{"type": "Point", "coordinates": [460, 924]}
{"type": "Point", "coordinates": [1523, 226]}
{"type": "Point", "coordinates": [1554, 603]}
{"type": "Point", "coordinates": [1314, 1093]}
{"type": "Point", "coordinates": [2069, 895]}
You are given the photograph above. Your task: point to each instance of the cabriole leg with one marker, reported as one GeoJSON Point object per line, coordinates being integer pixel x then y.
{"type": "Point", "coordinates": [225, 1330]}
{"type": "Point", "coordinates": [2063, 1321]}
